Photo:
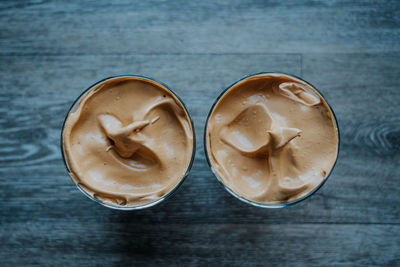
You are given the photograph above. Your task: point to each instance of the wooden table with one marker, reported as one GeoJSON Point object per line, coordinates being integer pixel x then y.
{"type": "Point", "coordinates": [52, 50]}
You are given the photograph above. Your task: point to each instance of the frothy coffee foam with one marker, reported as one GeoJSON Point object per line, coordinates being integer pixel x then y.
{"type": "Point", "coordinates": [128, 142]}
{"type": "Point", "coordinates": [272, 138]}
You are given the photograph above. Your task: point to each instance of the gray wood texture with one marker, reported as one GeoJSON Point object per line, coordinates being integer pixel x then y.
{"type": "Point", "coordinates": [50, 51]}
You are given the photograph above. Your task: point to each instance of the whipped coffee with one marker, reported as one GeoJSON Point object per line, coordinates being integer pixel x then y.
{"type": "Point", "coordinates": [271, 138]}
{"type": "Point", "coordinates": [128, 141]}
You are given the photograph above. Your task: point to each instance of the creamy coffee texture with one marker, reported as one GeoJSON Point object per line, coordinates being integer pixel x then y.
{"type": "Point", "coordinates": [271, 138]}
{"type": "Point", "coordinates": [128, 141]}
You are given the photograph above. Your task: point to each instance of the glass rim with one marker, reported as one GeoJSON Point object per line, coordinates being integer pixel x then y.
{"type": "Point", "coordinates": [253, 203]}
{"type": "Point", "coordinates": [170, 193]}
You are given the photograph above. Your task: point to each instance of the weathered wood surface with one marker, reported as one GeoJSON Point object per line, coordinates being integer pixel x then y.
{"type": "Point", "coordinates": [51, 51]}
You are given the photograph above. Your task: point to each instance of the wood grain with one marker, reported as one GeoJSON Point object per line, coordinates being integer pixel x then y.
{"type": "Point", "coordinates": [50, 51]}
{"type": "Point", "coordinates": [125, 243]}
{"type": "Point", "coordinates": [249, 26]}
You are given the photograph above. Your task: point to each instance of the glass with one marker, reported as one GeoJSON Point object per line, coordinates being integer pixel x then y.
{"type": "Point", "coordinates": [147, 205]}
{"type": "Point", "coordinates": [278, 205]}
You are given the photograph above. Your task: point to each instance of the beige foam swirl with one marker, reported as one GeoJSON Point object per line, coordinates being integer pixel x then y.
{"type": "Point", "coordinates": [129, 142]}
{"type": "Point", "coordinates": [271, 138]}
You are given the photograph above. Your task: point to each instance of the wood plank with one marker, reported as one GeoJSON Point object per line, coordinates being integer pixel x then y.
{"type": "Point", "coordinates": [32, 172]}
{"type": "Point", "coordinates": [129, 243]}
{"type": "Point", "coordinates": [57, 27]}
